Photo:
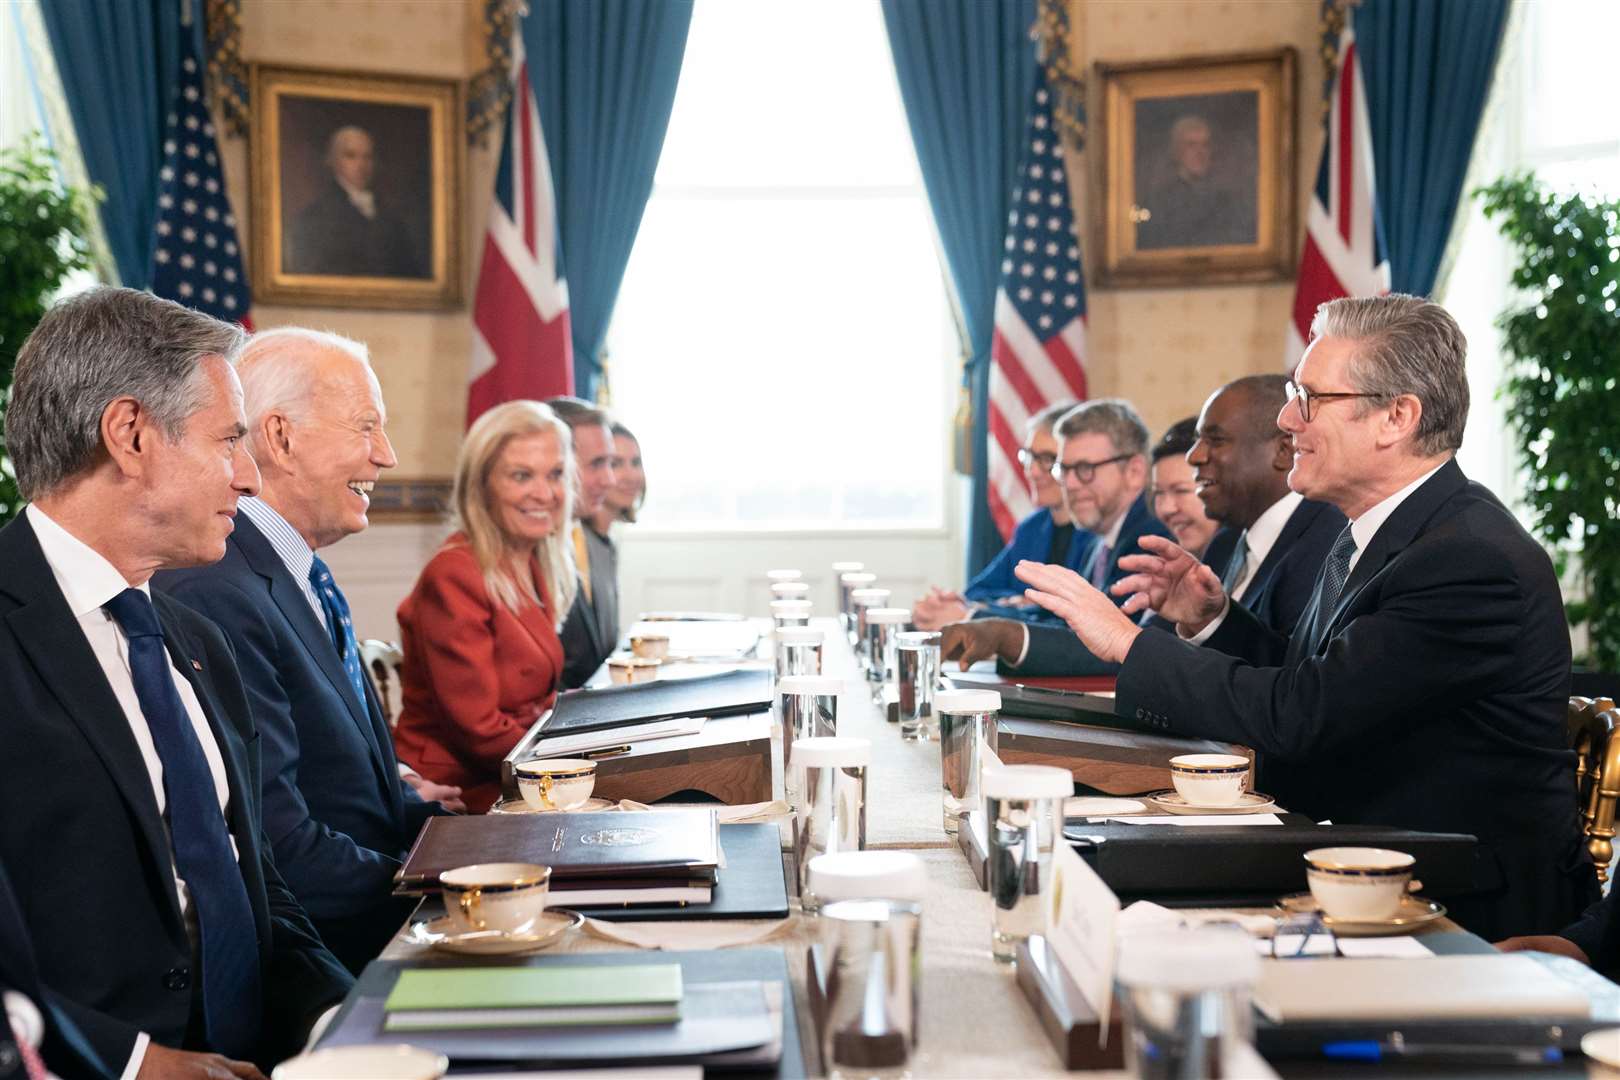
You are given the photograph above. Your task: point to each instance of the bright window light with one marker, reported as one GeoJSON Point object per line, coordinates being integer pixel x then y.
{"type": "Point", "coordinates": [782, 342]}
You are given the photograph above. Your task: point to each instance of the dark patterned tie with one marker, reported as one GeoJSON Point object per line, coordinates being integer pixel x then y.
{"type": "Point", "coordinates": [202, 844]}
{"type": "Point", "coordinates": [1236, 564]}
{"type": "Point", "coordinates": [340, 626]}
{"type": "Point", "coordinates": [1099, 566]}
{"type": "Point", "coordinates": [1335, 572]}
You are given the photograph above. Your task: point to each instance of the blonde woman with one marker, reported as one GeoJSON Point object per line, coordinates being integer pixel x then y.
{"type": "Point", "coordinates": [479, 629]}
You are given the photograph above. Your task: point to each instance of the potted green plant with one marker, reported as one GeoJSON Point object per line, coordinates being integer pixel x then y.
{"type": "Point", "coordinates": [44, 228]}
{"type": "Point", "coordinates": [1563, 389]}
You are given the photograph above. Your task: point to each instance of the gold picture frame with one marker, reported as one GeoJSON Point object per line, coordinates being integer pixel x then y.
{"type": "Point", "coordinates": [1197, 165]}
{"type": "Point", "coordinates": [356, 189]}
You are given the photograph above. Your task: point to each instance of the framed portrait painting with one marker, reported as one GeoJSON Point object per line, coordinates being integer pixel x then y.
{"type": "Point", "coordinates": [1197, 170]}
{"type": "Point", "coordinates": [356, 189]}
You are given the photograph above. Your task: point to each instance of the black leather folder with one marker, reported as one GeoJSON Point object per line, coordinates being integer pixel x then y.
{"type": "Point", "coordinates": [751, 884]}
{"type": "Point", "coordinates": [360, 1017]}
{"type": "Point", "coordinates": [1063, 706]}
{"type": "Point", "coordinates": [1242, 864]}
{"type": "Point", "coordinates": [731, 693]}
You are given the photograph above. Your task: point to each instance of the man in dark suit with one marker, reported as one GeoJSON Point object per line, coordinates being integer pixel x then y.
{"type": "Point", "coordinates": [347, 228]}
{"type": "Point", "coordinates": [1103, 467]}
{"type": "Point", "coordinates": [591, 631]}
{"type": "Point", "coordinates": [337, 815]}
{"type": "Point", "coordinates": [31, 1024]}
{"type": "Point", "coordinates": [129, 763]}
{"type": "Point", "coordinates": [1427, 682]}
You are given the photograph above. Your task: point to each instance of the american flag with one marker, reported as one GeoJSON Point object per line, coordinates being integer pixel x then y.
{"type": "Point", "coordinates": [1039, 343]}
{"type": "Point", "coordinates": [196, 259]}
{"type": "Point", "coordinates": [522, 347]}
{"type": "Point", "coordinates": [1344, 241]}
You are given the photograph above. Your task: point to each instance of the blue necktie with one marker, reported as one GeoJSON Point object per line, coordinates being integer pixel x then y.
{"type": "Point", "coordinates": [340, 626]}
{"type": "Point", "coordinates": [197, 831]}
{"type": "Point", "coordinates": [1099, 566]}
{"type": "Point", "coordinates": [1335, 572]}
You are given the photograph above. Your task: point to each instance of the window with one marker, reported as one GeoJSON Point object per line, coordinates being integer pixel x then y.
{"type": "Point", "coordinates": [782, 344]}
{"type": "Point", "coordinates": [1550, 111]}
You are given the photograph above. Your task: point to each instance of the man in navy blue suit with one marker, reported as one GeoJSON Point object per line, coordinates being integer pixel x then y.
{"type": "Point", "coordinates": [336, 812]}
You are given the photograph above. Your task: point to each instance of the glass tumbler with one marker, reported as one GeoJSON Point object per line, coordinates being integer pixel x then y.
{"type": "Point", "coordinates": [1023, 813]}
{"type": "Point", "coordinates": [1186, 1001]}
{"type": "Point", "coordinates": [831, 813]}
{"type": "Point", "coordinates": [809, 707]}
{"type": "Point", "coordinates": [967, 736]}
{"type": "Point", "coordinates": [873, 959]}
{"type": "Point", "coordinates": [916, 666]}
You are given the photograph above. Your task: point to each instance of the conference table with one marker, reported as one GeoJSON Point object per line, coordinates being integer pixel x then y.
{"type": "Point", "coordinates": [975, 1021]}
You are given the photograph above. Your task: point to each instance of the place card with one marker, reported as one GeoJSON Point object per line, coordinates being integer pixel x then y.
{"type": "Point", "coordinates": [1080, 930]}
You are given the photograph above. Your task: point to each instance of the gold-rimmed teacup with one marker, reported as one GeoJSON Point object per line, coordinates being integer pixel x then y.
{"type": "Point", "coordinates": [1359, 884]}
{"type": "Point", "coordinates": [1212, 780]}
{"type": "Point", "coordinates": [556, 783]}
{"type": "Point", "coordinates": [624, 670]}
{"type": "Point", "coordinates": [650, 646]}
{"type": "Point", "coordinates": [502, 897]}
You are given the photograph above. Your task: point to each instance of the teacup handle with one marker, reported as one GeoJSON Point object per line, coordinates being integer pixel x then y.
{"type": "Point", "coordinates": [545, 791]}
{"type": "Point", "coordinates": [469, 901]}
{"type": "Point", "coordinates": [1414, 885]}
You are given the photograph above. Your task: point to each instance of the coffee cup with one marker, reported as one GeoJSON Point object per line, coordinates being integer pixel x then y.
{"type": "Point", "coordinates": [556, 783]}
{"type": "Point", "coordinates": [1210, 779]}
{"type": "Point", "coordinates": [372, 1061]}
{"type": "Point", "coordinates": [502, 897]}
{"type": "Point", "coordinates": [1358, 884]}
{"type": "Point", "coordinates": [624, 670]}
{"type": "Point", "coordinates": [650, 646]}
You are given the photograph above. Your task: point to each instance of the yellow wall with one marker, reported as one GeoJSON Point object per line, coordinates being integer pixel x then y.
{"type": "Point", "coordinates": [420, 357]}
{"type": "Point", "coordinates": [1165, 349]}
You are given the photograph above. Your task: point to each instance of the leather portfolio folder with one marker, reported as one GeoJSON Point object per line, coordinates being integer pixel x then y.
{"type": "Point", "coordinates": [1167, 863]}
{"type": "Point", "coordinates": [359, 1020]}
{"type": "Point", "coordinates": [746, 690]}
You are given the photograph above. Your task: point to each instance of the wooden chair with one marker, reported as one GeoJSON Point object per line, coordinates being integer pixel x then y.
{"type": "Point", "coordinates": [1592, 723]}
{"type": "Point", "coordinates": [382, 660]}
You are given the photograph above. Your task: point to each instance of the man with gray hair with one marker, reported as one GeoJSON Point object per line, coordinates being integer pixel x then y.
{"type": "Point", "coordinates": [129, 761]}
{"type": "Point", "coordinates": [336, 813]}
{"type": "Point", "coordinates": [1426, 683]}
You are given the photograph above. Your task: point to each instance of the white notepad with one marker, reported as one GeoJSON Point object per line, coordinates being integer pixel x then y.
{"type": "Point", "coordinates": [1437, 988]}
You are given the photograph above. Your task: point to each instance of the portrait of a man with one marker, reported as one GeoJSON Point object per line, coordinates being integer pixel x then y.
{"type": "Point", "coordinates": [1195, 170]}
{"type": "Point", "coordinates": [356, 189]}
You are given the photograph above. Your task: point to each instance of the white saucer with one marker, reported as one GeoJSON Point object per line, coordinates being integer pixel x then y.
{"type": "Point", "coordinates": [364, 1063]}
{"type": "Point", "coordinates": [1079, 806]}
{"type": "Point", "coordinates": [548, 929]}
{"type": "Point", "coordinates": [1250, 802]}
{"type": "Point", "coordinates": [1413, 913]}
{"type": "Point", "coordinates": [518, 806]}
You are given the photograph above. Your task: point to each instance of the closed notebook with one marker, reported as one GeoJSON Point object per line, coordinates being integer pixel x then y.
{"type": "Point", "coordinates": [1437, 988]}
{"type": "Point", "coordinates": [605, 848]}
{"type": "Point", "coordinates": [430, 999]}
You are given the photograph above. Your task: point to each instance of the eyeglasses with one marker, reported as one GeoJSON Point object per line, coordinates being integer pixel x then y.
{"type": "Point", "coordinates": [1298, 393]}
{"type": "Point", "coordinates": [1084, 470]}
{"type": "Point", "coordinates": [1302, 934]}
{"type": "Point", "coordinates": [1042, 461]}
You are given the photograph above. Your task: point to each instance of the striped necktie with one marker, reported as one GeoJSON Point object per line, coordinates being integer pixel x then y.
{"type": "Point", "coordinates": [1099, 566]}
{"type": "Point", "coordinates": [1237, 566]}
{"type": "Point", "coordinates": [1335, 572]}
{"type": "Point", "coordinates": [340, 626]}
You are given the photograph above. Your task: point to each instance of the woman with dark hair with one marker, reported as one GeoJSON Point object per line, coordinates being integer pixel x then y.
{"type": "Point", "coordinates": [629, 489]}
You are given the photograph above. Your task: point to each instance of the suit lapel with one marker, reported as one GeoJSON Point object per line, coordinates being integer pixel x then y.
{"type": "Point", "coordinates": [50, 635]}
{"type": "Point", "coordinates": [187, 659]}
{"type": "Point", "coordinates": [290, 600]}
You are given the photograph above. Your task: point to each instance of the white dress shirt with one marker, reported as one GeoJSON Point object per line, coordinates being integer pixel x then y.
{"type": "Point", "coordinates": [289, 546]}
{"type": "Point", "coordinates": [1262, 537]}
{"type": "Point", "coordinates": [1362, 530]}
{"type": "Point", "coordinates": [88, 581]}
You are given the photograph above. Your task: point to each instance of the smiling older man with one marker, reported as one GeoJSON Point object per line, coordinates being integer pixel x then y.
{"type": "Point", "coordinates": [1426, 684]}
{"type": "Point", "coordinates": [335, 810]}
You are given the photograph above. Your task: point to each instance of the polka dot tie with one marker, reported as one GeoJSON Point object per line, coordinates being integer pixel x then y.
{"type": "Point", "coordinates": [340, 626]}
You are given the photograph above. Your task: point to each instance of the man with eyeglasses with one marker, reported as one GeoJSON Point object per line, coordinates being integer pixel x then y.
{"type": "Point", "coordinates": [1047, 533]}
{"type": "Point", "coordinates": [1426, 684]}
{"type": "Point", "coordinates": [1102, 467]}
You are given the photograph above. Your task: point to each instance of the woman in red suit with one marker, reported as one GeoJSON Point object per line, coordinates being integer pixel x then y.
{"type": "Point", "coordinates": [482, 657]}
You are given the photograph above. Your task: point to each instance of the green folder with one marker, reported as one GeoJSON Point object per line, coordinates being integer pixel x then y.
{"type": "Point", "coordinates": [554, 995]}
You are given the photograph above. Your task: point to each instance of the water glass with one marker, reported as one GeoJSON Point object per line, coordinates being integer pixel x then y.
{"type": "Point", "coordinates": [1023, 813]}
{"type": "Point", "coordinates": [809, 708]}
{"type": "Point", "coordinates": [798, 651]}
{"type": "Point", "coordinates": [790, 613]}
{"type": "Point", "coordinates": [882, 623]}
{"type": "Point", "coordinates": [967, 736]}
{"type": "Point", "coordinates": [783, 575]}
{"type": "Point", "coordinates": [1186, 1000]}
{"type": "Point", "coordinates": [916, 666]}
{"type": "Point", "coordinates": [831, 812]}
{"type": "Point", "coordinates": [848, 582]}
{"type": "Point", "coordinates": [864, 600]}
{"type": "Point", "coordinates": [872, 951]}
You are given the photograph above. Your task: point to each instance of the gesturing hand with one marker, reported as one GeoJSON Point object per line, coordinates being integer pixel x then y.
{"type": "Point", "coordinates": [1172, 582]}
{"type": "Point", "coordinates": [446, 794]}
{"type": "Point", "coordinates": [981, 639]}
{"type": "Point", "coordinates": [1099, 625]}
{"type": "Point", "coordinates": [936, 609]}
{"type": "Point", "coordinates": [163, 1063]}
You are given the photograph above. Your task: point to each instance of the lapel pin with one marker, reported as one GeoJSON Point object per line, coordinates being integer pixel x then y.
{"type": "Point", "coordinates": [196, 665]}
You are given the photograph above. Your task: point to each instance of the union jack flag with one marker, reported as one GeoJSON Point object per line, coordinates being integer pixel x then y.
{"type": "Point", "coordinates": [1038, 348]}
{"type": "Point", "coordinates": [1344, 240]}
{"type": "Point", "coordinates": [522, 347]}
{"type": "Point", "coordinates": [196, 260]}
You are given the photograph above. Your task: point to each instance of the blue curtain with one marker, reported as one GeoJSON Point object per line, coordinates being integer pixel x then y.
{"type": "Point", "coordinates": [1428, 66]}
{"type": "Point", "coordinates": [966, 69]}
{"type": "Point", "coordinates": [605, 73]}
{"type": "Point", "coordinates": [119, 61]}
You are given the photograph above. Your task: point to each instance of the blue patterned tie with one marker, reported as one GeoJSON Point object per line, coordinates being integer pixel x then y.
{"type": "Point", "coordinates": [1099, 566]}
{"type": "Point", "coordinates": [202, 844]}
{"type": "Point", "coordinates": [1335, 572]}
{"type": "Point", "coordinates": [340, 626]}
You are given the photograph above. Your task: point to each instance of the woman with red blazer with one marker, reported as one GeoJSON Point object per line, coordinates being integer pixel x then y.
{"type": "Point", "coordinates": [479, 629]}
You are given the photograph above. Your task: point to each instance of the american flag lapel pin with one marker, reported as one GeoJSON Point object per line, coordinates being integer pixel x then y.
{"type": "Point", "coordinates": [197, 665]}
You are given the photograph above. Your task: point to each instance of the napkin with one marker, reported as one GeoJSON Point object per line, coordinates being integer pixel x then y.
{"type": "Point", "coordinates": [691, 934]}
{"type": "Point", "coordinates": [742, 814]}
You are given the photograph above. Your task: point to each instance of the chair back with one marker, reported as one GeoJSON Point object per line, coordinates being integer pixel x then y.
{"type": "Point", "coordinates": [382, 661]}
{"type": "Point", "coordinates": [1592, 723]}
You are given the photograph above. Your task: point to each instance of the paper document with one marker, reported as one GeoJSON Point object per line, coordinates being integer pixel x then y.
{"type": "Point", "coordinates": [1198, 819]}
{"type": "Point", "coordinates": [563, 745]}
